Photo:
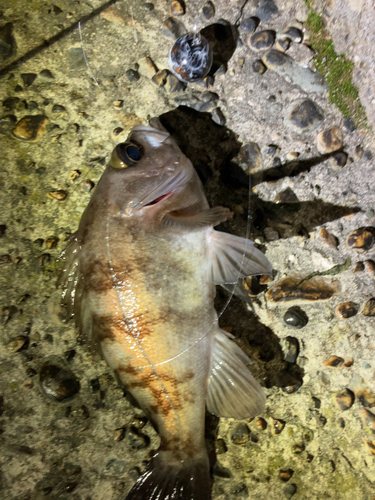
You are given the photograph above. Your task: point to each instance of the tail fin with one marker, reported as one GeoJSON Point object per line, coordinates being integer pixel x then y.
{"type": "Point", "coordinates": [178, 480]}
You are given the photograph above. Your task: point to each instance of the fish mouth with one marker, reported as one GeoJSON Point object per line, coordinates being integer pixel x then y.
{"type": "Point", "coordinates": [162, 197]}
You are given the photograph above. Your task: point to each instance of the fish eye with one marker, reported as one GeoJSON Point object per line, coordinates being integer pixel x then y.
{"type": "Point", "coordinates": [126, 154]}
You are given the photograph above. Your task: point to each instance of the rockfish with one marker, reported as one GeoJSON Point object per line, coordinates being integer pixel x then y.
{"type": "Point", "coordinates": [140, 276]}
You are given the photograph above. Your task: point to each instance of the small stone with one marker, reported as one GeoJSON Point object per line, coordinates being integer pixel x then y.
{"type": "Point", "coordinates": [177, 8]}
{"type": "Point", "coordinates": [87, 185]}
{"type": "Point", "coordinates": [57, 109]}
{"type": "Point", "coordinates": [74, 174]}
{"type": "Point", "coordinates": [148, 6]}
{"type": "Point", "coordinates": [173, 84]}
{"type": "Point", "coordinates": [277, 426]}
{"type": "Point", "coordinates": [370, 266]}
{"type": "Point", "coordinates": [58, 195]}
{"type": "Point", "coordinates": [132, 75]}
{"type": "Point", "coordinates": [266, 9]}
{"type": "Point", "coordinates": [119, 434]}
{"type": "Point", "coordinates": [362, 239]}
{"type": "Point", "coordinates": [147, 67]}
{"type": "Point", "coordinates": [358, 152]}
{"type": "Point", "coordinates": [18, 88]}
{"type": "Point", "coordinates": [46, 74]}
{"type": "Point", "coordinates": [31, 128]}
{"type": "Point", "coordinates": [52, 241]}
{"type": "Point", "coordinates": [371, 448]}
{"type": "Point", "coordinates": [287, 196]}
{"type": "Point", "coordinates": [208, 96]}
{"type": "Point", "coordinates": [303, 115]}
{"type": "Point", "coordinates": [298, 448]}
{"type": "Point", "coordinates": [328, 238]}
{"type": "Point", "coordinates": [11, 102]}
{"type": "Point", "coordinates": [7, 123]}
{"type": "Point", "coordinates": [240, 434]}
{"type": "Point", "coordinates": [283, 44]}
{"type": "Point", "coordinates": [261, 423]}
{"type": "Point", "coordinates": [368, 419]}
{"type": "Point", "coordinates": [160, 78]}
{"type": "Point", "coordinates": [329, 140]}
{"type": "Point", "coordinates": [369, 308]}
{"type": "Point", "coordinates": [345, 399]}
{"type": "Point", "coordinates": [137, 440]}
{"type": "Point", "coordinates": [285, 475]}
{"type": "Point", "coordinates": [18, 344]}
{"type": "Point", "coordinates": [367, 155]}
{"type": "Point", "coordinates": [206, 107]}
{"type": "Point", "coordinates": [290, 347]}
{"type": "Point", "coordinates": [208, 10]}
{"type": "Point", "coordinates": [119, 104]}
{"type": "Point", "coordinates": [263, 280]}
{"type": "Point", "coordinates": [221, 447]}
{"type": "Point", "coordinates": [261, 40]}
{"type": "Point", "coordinates": [338, 160]}
{"type": "Point", "coordinates": [333, 362]}
{"type": "Point", "coordinates": [28, 78]}
{"type": "Point", "coordinates": [139, 422]}
{"type": "Point", "coordinates": [205, 82]}
{"type": "Point", "coordinates": [76, 58]}
{"type": "Point", "coordinates": [259, 67]}
{"type": "Point", "coordinates": [271, 234]}
{"type": "Point", "coordinates": [249, 158]}
{"type": "Point", "coordinates": [349, 124]}
{"type": "Point", "coordinates": [290, 490]}
{"type": "Point", "coordinates": [115, 467]}
{"type": "Point", "coordinates": [293, 33]}
{"type": "Point", "coordinates": [315, 289]}
{"type": "Point", "coordinates": [173, 28]}
{"type": "Point", "coordinates": [58, 383]}
{"type": "Point", "coordinates": [249, 25]}
{"type": "Point", "coordinates": [218, 117]}
{"type": "Point", "coordinates": [44, 259]}
{"type": "Point", "coordinates": [276, 162]}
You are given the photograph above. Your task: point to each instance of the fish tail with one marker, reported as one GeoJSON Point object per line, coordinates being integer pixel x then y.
{"type": "Point", "coordinates": [166, 479]}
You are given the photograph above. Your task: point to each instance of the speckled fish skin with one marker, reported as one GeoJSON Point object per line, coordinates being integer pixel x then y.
{"type": "Point", "coordinates": [139, 283]}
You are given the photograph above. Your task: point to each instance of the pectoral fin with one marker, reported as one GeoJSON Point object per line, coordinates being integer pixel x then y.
{"type": "Point", "coordinates": [232, 390]}
{"type": "Point", "coordinates": [234, 257]}
{"type": "Point", "coordinates": [210, 217]}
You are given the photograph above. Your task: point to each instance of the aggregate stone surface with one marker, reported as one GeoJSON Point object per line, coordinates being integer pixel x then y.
{"type": "Point", "coordinates": [73, 435]}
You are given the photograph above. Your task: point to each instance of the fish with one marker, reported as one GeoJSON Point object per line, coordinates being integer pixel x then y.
{"type": "Point", "coordinates": [139, 278]}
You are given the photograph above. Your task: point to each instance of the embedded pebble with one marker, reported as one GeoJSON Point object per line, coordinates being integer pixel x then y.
{"type": "Point", "coordinates": [293, 33]}
{"type": "Point", "coordinates": [286, 196]}
{"type": "Point", "coordinates": [285, 475]}
{"type": "Point", "coordinates": [205, 82]}
{"type": "Point", "coordinates": [58, 108]}
{"type": "Point", "coordinates": [370, 266]}
{"type": "Point", "coordinates": [74, 174]}
{"type": "Point", "coordinates": [298, 448]}
{"type": "Point", "coordinates": [58, 195]}
{"type": "Point", "coordinates": [137, 440]}
{"type": "Point", "coordinates": [368, 419]}
{"type": "Point", "coordinates": [349, 124]}
{"type": "Point", "coordinates": [58, 383]}
{"type": "Point", "coordinates": [266, 9]}
{"type": "Point", "coordinates": [290, 347]}
{"type": "Point", "coordinates": [261, 40]}
{"type": "Point", "coordinates": [28, 78]}
{"type": "Point", "coordinates": [283, 44]}
{"type": "Point", "coordinates": [119, 434]}
{"type": "Point", "coordinates": [240, 434]}
{"type": "Point", "coordinates": [261, 423]}
{"type": "Point", "coordinates": [290, 490]}
{"type": "Point", "coordinates": [333, 361]}
{"type": "Point", "coordinates": [173, 28]}
{"type": "Point", "coordinates": [329, 140]}
{"type": "Point", "coordinates": [371, 448]}
{"type": "Point", "coordinates": [362, 239]}
{"type": "Point", "coordinates": [369, 308]}
{"type": "Point", "coordinates": [147, 67]}
{"type": "Point", "coordinates": [218, 117]}
{"type": "Point", "coordinates": [285, 66]}
{"type": "Point", "coordinates": [208, 10]}
{"type": "Point", "coordinates": [277, 426]}
{"type": "Point", "coordinates": [289, 289]}
{"type": "Point", "coordinates": [346, 310]}
{"type": "Point", "coordinates": [345, 399]}
{"type": "Point", "coordinates": [18, 344]}
{"type": "Point", "coordinates": [132, 75]}
{"type": "Point", "coordinates": [249, 158]}
{"type": "Point", "coordinates": [160, 78]}
{"type": "Point", "coordinates": [31, 128]}
{"type": "Point", "coordinates": [358, 152]}
{"type": "Point", "coordinates": [87, 185]}
{"type": "Point", "coordinates": [338, 160]}
{"type": "Point", "coordinates": [5, 259]}
{"type": "Point", "coordinates": [220, 447]}
{"type": "Point", "coordinates": [46, 74]}
{"type": "Point", "coordinates": [259, 67]}
{"type": "Point", "coordinates": [303, 115]}
{"type": "Point", "coordinates": [173, 84]}
{"type": "Point", "coordinates": [328, 238]}
{"type": "Point", "coordinates": [177, 8]}
{"type": "Point", "coordinates": [249, 24]}
{"type": "Point", "coordinates": [52, 242]}
{"type": "Point", "coordinates": [271, 234]}
{"type": "Point", "coordinates": [139, 422]}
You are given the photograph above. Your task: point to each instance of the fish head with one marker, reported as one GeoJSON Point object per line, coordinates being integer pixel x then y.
{"type": "Point", "coordinates": [147, 169]}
